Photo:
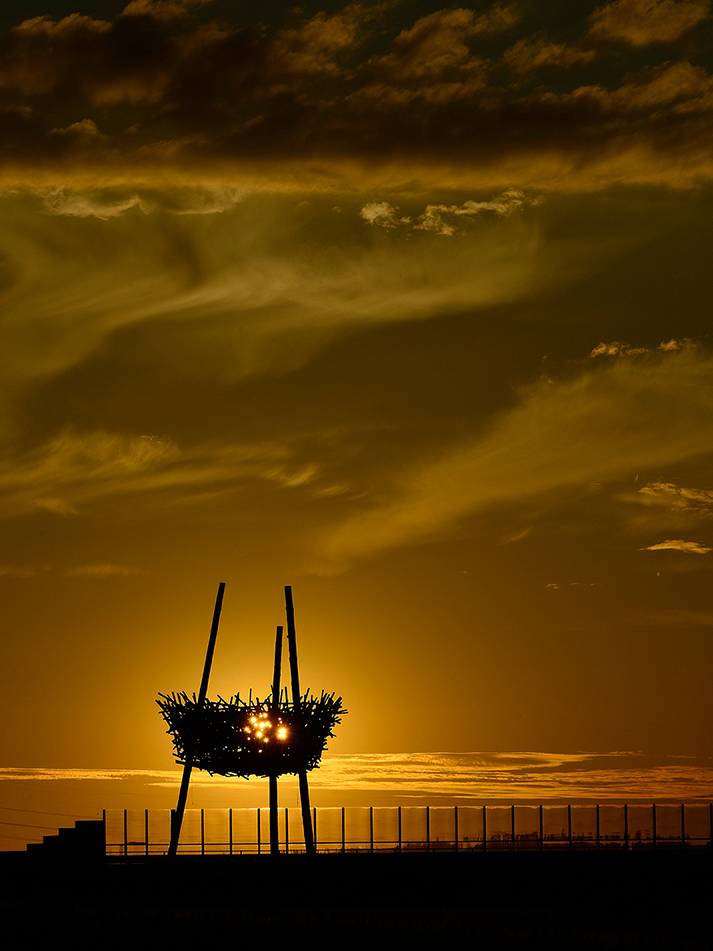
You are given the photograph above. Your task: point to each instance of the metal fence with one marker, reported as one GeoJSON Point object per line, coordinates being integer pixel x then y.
{"type": "Point", "coordinates": [132, 832]}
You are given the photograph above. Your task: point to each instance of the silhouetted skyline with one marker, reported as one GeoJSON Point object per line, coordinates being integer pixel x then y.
{"type": "Point", "coordinates": [405, 306]}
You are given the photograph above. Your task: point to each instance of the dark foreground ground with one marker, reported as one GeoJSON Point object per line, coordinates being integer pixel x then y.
{"type": "Point", "coordinates": [617, 900]}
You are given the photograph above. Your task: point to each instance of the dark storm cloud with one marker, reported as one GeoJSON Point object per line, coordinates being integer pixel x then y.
{"type": "Point", "coordinates": [456, 94]}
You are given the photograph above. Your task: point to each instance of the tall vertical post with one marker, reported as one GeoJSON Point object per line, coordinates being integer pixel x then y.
{"type": "Point", "coordinates": [274, 703]}
{"type": "Point", "coordinates": [177, 816]}
{"type": "Point", "coordinates": [296, 703]}
{"type": "Point", "coordinates": [542, 831]}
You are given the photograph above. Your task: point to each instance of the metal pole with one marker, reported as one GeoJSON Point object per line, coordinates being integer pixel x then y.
{"type": "Point", "coordinates": [569, 827]}
{"type": "Point", "coordinates": [428, 828]}
{"type": "Point", "coordinates": [455, 825]}
{"type": "Point", "coordinates": [683, 825]}
{"type": "Point", "coordinates": [344, 831]}
{"type": "Point", "coordinates": [400, 835]}
{"type": "Point", "coordinates": [230, 829]}
{"type": "Point", "coordinates": [188, 766]}
{"type": "Point", "coordinates": [296, 703]}
{"type": "Point", "coordinates": [626, 826]}
{"type": "Point", "coordinates": [371, 828]}
{"type": "Point", "coordinates": [653, 816]}
{"type": "Point", "coordinates": [485, 833]}
{"type": "Point", "coordinates": [274, 830]}
{"type": "Point", "coordinates": [146, 829]}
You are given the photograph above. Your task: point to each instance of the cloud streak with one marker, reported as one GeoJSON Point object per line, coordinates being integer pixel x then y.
{"type": "Point", "coordinates": [560, 436]}
{"type": "Point", "coordinates": [678, 544]}
{"type": "Point", "coordinates": [76, 470]}
{"type": "Point", "coordinates": [422, 778]}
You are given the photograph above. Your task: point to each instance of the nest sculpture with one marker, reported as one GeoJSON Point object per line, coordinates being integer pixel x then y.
{"type": "Point", "coordinates": [258, 738]}
{"type": "Point", "coordinates": [269, 738]}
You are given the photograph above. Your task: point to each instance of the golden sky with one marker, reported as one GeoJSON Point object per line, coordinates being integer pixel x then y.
{"type": "Point", "coordinates": [407, 306]}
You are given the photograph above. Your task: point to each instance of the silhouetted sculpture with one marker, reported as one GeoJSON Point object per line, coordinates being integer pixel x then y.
{"type": "Point", "coordinates": [270, 737]}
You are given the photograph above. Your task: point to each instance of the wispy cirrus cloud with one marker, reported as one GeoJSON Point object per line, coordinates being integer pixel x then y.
{"type": "Point", "coordinates": [101, 570]}
{"type": "Point", "coordinates": [678, 544]}
{"type": "Point", "coordinates": [677, 498]}
{"type": "Point", "coordinates": [559, 436]}
{"type": "Point", "coordinates": [422, 778]}
{"type": "Point", "coordinates": [74, 469]}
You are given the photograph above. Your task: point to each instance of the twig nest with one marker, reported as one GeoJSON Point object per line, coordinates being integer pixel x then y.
{"type": "Point", "coordinates": [234, 738]}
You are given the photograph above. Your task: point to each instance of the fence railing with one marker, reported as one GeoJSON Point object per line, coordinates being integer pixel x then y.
{"type": "Point", "coordinates": [131, 832]}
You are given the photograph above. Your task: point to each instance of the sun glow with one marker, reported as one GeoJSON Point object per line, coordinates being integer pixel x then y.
{"type": "Point", "coordinates": [261, 728]}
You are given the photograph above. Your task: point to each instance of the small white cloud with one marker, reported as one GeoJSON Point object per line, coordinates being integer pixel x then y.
{"type": "Point", "coordinates": [678, 544]}
{"type": "Point", "coordinates": [383, 214]}
{"type": "Point", "coordinates": [73, 205]}
{"type": "Point", "coordinates": [504, 205]}
{"type": "Point", "coordinates": [434, 218]}
{"type": "Point", "coordinates": [100, 571]}
{"type": "Point", "coordinates": [677, 498]}
{"type": "Point", "coordinates": [17, 571]}
{"type": "Point", "coordinates": [56, 505]}
{"type": "Point", "coordinates": [619, 349]}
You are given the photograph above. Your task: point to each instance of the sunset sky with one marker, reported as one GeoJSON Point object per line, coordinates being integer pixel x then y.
{"type": "Point", "coordinates": [406, 306]}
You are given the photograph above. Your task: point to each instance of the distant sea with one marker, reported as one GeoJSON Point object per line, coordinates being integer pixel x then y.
{"type": "Point", "coordinates": [35, 801]}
